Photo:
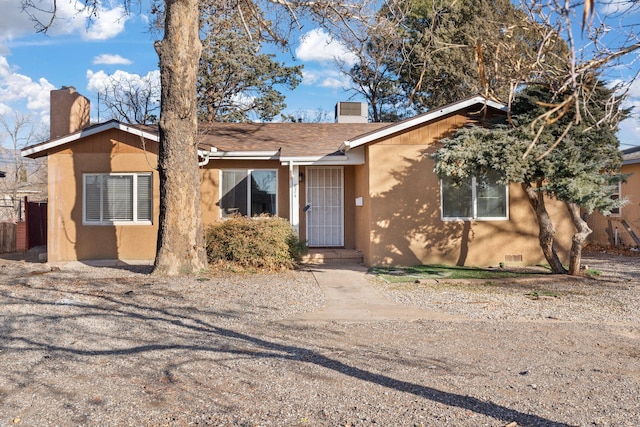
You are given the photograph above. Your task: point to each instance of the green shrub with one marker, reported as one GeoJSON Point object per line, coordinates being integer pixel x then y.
{"type": "Point", "coordinates": [264, 243]}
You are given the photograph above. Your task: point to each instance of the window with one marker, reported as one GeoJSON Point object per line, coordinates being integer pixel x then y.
{"type": "Point", "coordinates": [117, 198]}
{"type": "Point", "coordinates": [616, 196]}
{"type": "Point", "coordinates": [475, 198]}
{"type": "Point", "coordinates": [248, 192]}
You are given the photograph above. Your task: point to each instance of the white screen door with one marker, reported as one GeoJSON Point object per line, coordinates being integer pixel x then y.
{"type": "Point", "coordinates": [325, 212]}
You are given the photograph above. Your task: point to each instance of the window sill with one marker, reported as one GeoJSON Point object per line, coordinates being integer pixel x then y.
{"type": "Point", "coordinates": [445, 219]}
{"type": "Point", "coordinates": [117, 223]}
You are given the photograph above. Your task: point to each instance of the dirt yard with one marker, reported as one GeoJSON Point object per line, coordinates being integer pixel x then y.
{"type": "Point", "coordinates": [105, 347]}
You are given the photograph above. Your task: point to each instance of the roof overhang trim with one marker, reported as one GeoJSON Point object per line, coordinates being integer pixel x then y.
{"type": "Point", "coordinates": [353, 158]}
{"type": "Point", "coordinates": [419, 120]}
{"type": "Point", "coordinates": [43, 148]}
{"type": "Point", "coordinates": [240, 155]}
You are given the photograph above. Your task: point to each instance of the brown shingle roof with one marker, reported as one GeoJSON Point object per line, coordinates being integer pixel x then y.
{"type": "Point", "coordinates": [293, 139]}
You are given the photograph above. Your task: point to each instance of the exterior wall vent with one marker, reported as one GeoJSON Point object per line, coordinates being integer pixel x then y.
{"type": "Point", "coordinates": [513, 259]}
{"type": "Point", "coordinates": [352, 112]}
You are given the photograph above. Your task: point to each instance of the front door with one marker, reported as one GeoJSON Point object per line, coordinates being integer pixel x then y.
{"type": "Point", "coordinates": [325, 207]}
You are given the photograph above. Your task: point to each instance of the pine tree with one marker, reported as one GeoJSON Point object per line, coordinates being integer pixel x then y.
{"type": "Point", "coordinates": [236, 82]}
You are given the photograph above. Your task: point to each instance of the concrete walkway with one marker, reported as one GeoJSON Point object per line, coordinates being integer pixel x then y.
{"type": "Point", "coordinates": [351, 298]}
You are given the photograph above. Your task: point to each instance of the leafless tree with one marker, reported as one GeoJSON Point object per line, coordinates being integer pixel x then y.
{"type": "Point", "coordinates": [596, 43]}
{"type": "Point", "coordinates": [132, 99]}
{"type": "Point", "coordinates": [23, 177]}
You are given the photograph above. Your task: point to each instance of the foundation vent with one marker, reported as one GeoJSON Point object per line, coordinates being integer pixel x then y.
{"type": "Point", "coordinates": [513, 259]}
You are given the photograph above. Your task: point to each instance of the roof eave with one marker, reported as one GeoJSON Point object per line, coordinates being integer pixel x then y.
{"type": "Point", "coordinates": [40, 150]}
{"type": "Point", "coordinates": [418, 120]}
{"type": "Point", "coordinates": [241, 155]}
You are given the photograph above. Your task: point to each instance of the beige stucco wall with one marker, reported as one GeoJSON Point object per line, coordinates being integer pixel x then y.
{"type": "Point", "coordinates": [401, 216]}
{"type": "Point", "coordinates": [398, 223]}
{"type": "Point", "coordinates": [630, 212]}
{"type": "Point", "coordinates": [210, 179]}
{"type": "Point", "coordinates": [68, 238]}
{"type": "Point", "coordinates": [68, 111]}
{"type": "Point", "coordinates": [116, 151]}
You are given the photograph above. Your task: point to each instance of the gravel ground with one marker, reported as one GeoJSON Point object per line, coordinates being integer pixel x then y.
{"type": "Point", "coordinates": [103, 346]}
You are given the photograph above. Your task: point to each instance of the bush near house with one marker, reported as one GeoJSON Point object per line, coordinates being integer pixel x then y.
{"type": "Point", "coordinates": [265, 243]}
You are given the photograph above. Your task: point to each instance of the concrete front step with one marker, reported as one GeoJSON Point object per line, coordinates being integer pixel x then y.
{"type": "Point", "coordinates": [330, 256]}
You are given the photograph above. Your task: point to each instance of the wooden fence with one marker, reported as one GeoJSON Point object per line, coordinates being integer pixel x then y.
{"type": "Point", "coordinates": [7, 237]}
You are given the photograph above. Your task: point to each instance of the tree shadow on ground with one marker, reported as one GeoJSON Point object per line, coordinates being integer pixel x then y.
{"type": "Point", "coordinates": [189, 325]}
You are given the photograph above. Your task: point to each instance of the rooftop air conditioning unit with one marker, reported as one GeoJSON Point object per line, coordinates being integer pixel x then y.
{"type": "Point", "coordinates": [352, 112]}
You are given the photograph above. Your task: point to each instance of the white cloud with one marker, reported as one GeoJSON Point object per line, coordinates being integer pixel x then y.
{"type": "Point", "coordinates": [18, 90]}
{"type": "Point", "coordinates": [318, 46]}
{"type": "Point", "coordinates": [629, 129]}
{"type": "Point", "coordinates": [108, 24]}
{"type": "Point", "coordinates": [72, 17]}
{"type": "Point", "coordinates": [14, 22]}
{"type": "Point", "coordinates": [100, 81]}
{"type": "Point", "coordinates": [110, 59]}
{"type": "Point", "coordinates": [616, 7]}
{"type": "Point", "coordinates": [327, 78]}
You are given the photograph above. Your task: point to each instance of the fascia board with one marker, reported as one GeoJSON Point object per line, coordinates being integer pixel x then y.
{"type": "Point", "coordinates": [630, 162]}
{"type": "Point", "coordinates": [85, 133]}
{"type": "Point", "coordinates": [418, 120]}
{"type": "Point", "coordinates": [138, 132]}
{"type": "Point", "coordinates": [241, 155]}
{"type": "Point", "coordinates": [353, 158]}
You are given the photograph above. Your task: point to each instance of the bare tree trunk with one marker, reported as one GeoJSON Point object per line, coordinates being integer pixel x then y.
{"type": "Point", "coordinates": [578, 239]}
{"type": "Point", "coordinates": [180, 236]}
{"type": "Point", "coordinates": [546, 230]}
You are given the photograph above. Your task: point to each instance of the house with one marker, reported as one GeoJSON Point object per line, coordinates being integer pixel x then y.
{"type": "Point", "coordinates": [622, 227]}
{"type": "Point", "coordinates": [351, 184]}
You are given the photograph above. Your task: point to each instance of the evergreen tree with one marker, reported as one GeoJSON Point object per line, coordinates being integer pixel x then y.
{"type": "Point", "coordinates": [578, 164]}
{"type": "Point", "coordinates": [236, 82]}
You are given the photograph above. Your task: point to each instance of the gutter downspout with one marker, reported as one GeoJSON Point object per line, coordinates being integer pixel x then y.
{"type": "Point", "coordinates": [205, 155]}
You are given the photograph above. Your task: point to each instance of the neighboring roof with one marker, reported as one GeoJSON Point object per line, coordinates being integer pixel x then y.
{"type": "Point", "coordinates": [421, 119]}
{"type": "Point", "coordinates": [631, 156]}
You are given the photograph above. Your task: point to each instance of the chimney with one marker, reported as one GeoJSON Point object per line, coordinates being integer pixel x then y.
{"type": "Point", "coordinates": [69, 112]}
{"type": "Point", "coordinates": [352, 112]}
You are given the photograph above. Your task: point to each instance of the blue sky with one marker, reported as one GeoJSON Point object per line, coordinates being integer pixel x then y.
{"type": "Point", "coordinates": [74, 54]}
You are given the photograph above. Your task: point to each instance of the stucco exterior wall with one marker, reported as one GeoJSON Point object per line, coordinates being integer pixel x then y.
{"type": "Point", "coordinates": [630, 212]}
{"type": "Point", "coordinates": [350, 208]}
{"type": "Point", "coordinates": [68, 111]}
{"type": "Point", "coordinates": [68, 238]}
{"type": "Point", "coordinates": [403, 211]}
{"type": "Point", "coordinates": [210, 185]}
{"type": "Point", "coordinates": [363, 213]}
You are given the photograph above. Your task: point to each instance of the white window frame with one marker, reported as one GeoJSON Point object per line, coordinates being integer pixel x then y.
{"type": "Point", "coordinates": [474, 205]}
{"type": "Point", "coordinates": [248, 173]}
{"type": "Point", "coordinates": [617, 214]}
{"type": "Point", "coordinates": [134, 201]}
